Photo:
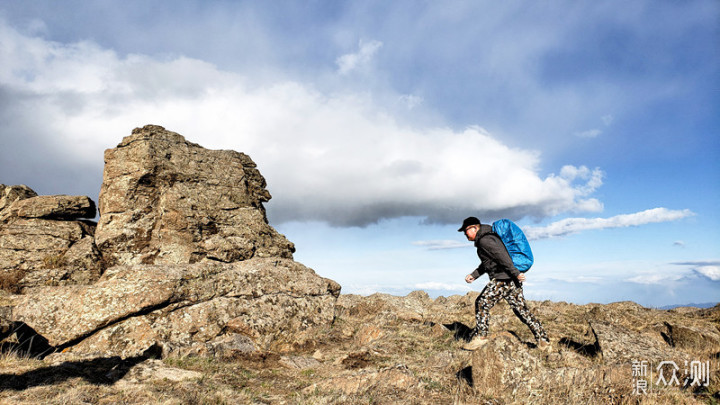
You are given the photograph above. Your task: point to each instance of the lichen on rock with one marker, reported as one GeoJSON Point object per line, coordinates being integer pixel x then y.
{"type": "Point", "coordinates": [183, 258]}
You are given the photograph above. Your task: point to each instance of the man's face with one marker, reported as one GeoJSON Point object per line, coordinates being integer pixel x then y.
{"type": "Point", "coordinates": [471, 232]}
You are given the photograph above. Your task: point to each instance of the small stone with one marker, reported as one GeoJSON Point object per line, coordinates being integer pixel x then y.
{"type": "Point", "coordinates": [368, 334]}
{"type": "Point", "coordinates": [298, 362]}
{"type": "Point", "coordinates": [318, 355]}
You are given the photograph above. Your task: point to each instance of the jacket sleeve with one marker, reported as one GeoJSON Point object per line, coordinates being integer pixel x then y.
{"type": "Point", "coordinates": [496, 249]}
{"type": "Point", "coordinates": [478, 272]}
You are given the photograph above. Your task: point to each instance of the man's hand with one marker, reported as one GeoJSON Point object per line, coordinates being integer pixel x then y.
{"type": "Point", "coordinates": [521, 278]}
{"type": "Point", "coordinates": [469, 278]}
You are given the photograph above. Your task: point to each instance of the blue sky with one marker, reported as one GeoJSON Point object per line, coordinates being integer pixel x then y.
{"type": "Point", "coordinates": [380, 125]}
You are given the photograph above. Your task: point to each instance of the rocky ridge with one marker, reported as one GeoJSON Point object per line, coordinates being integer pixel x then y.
{"type": "Point", "coordinates": [406, 350]}
{"type": "Point", "coordinates": [182, 259]}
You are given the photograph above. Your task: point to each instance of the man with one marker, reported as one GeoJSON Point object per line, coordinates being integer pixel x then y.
{"type": "Point", "coordinates": [505, 282]}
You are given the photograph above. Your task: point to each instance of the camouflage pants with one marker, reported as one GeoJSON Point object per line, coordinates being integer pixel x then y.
{"type": "Point", "coordinates": [493, 292]}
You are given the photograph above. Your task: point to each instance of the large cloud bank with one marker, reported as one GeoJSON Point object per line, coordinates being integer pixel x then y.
{"type": "Point", "coordinates": [338, 157]}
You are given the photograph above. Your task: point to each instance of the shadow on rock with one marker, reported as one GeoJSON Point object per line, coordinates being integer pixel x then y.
{"type": "Point", "coordinates": [105, 371]}
{"type": "Point", "coordinates": [460, 330]}
{"type": "Point", "coordinates": [465, 375]}
{"type": "Point", "coordinates": [588, 350]}
{"type": "Point", "coordinates": [28, 343]}
{"type": "Point", "coordinates": [529, 345]}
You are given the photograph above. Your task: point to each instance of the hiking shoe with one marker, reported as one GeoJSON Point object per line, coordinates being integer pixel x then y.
{"type": "Point", "coordinates": [544, 346]}
{"type": "Point", "coordinates": [476, 343]}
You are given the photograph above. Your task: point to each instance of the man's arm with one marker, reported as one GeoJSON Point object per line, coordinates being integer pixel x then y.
{"type": "Point", "coordinates": [475, 274]}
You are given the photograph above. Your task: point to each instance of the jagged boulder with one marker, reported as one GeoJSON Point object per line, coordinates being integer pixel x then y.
{"type": "Point", "coordinates": [620, 345]}
{"type": "Point", "coordinates": [200, 308]}
{"type": "Point", "coordinates": [594, 348]}
{"type": "Point", "coordinates": [412, 308]}
{"type": "Point", "coordinates": [506, 367]}
{"type": "Point", "coordinates": [43, 241]}
{"type": "Point", "coordinates": [166, 200]}
{"type": "Point", "coordinates": [10, 194]}
{"type": "Point", "coordinates": [62, 207]}
{"type": "Point", "coordinates": [689, 336]}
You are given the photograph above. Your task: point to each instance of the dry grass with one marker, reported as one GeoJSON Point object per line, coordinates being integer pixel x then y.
{"type": "Point", "coordinates": [54, 261]}
{"type": "Point", "coordinates": [9, 280]}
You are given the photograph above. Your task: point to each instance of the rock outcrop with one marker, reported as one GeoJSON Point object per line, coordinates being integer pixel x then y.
{"type": "Point", "coordinates": [166, 200]}
{"type": "Point", "coordinates": [186, 309]}
{"type": "Point", "coordinates": [182, 259]}
{"type": "Point", "coordinates": [60, 207]}
{"type": "Point", "coordinates": [44, 241]}
{"type": "Point", "coordinates": [10, 194]}
{"type": "Point", "coordinates": [594, 349]}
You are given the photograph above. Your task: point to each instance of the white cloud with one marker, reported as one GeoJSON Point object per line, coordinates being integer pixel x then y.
{"type": "Point", "coordinates": [338, 158]}
{"type": "Point", "coordinates": [608, 119]}
{"type": "Point", "coordinates": [439, 286]}
{"type": "Point", "coordinates": [582, 279]}
{"type": "Point", "coordinates": [358, 60]}
{"type": "Point", "coordinates": [440, 244]}
{"type": "Point", "coordinates": [410, 101]}
{"type": "Point", "coordinates": [575, 225]}
{"type": "Point", "coordinates": [711, 272]}
{"type": "Point", "coordinates": [697, 271]}
{"type": "Point", "coordinates": [655, 278]}
{"type": "Point", "coordinates": [593, 179]}
{"type": "Point", "coordinates": [433, 287]}
{"type": "Point", "coordinates": [591, 133]}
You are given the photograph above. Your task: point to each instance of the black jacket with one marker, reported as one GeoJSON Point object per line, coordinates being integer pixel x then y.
{"type": "Point", "coordinates": [495, 259]}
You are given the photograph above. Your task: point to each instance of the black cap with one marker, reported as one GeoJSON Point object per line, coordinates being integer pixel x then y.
{"type": "Point", "coordinates": [467, 222]}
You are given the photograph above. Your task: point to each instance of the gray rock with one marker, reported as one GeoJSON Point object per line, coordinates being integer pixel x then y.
{"type": "Point", "coordinates": [506, 367]}
{"type": "Point", "coordinates": [183, 259]}
{"type": "Point", "coordinates": [55, 207]}
{"type": "Point", "coordinates": [41, 244]}
{"type": "Point", "coordinates": [10, 194]}
{"type": "Point", "coordinates": [620, 345]}
{"type": "Point", "coordinates": [166, 200]}
{"type": "Point", "coordinates": [231, 345]}
{"type": "Point", "coordinates": [183, 307]}
{"type": "Point", "coordinates": [44, 252]}
{"type": "Point", "coordinates": [298, 362]}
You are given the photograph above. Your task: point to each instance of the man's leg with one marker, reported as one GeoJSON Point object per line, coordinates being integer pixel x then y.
{"type": "Point", "coordinates": [519, 306]}
{"type": "Point", "coordinates": [487, 299]}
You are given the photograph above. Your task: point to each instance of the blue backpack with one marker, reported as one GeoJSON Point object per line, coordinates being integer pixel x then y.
{"type": "Point", "coordinates": [516, 243]}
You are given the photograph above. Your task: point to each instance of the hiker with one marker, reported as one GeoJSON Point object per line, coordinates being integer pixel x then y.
{"type": "Point", "coordinates": [505, 282]}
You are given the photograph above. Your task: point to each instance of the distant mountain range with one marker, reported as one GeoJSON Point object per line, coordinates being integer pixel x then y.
{"type": "Point", "coordinates": [703, 305]}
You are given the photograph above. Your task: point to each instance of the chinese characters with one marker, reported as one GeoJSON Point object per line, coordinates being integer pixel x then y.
{"type": "Point", "coordinates": [696, 373]}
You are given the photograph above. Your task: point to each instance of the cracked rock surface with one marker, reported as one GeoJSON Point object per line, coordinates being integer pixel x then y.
{"type": "Point", "coordinates": [182, 258]}
{"type": "Point", "coordinates": [44, 240]}
{"type": "Point", "coordinates": [167, 200]}
{"type": "Point", "coordinates": [184, 307]}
